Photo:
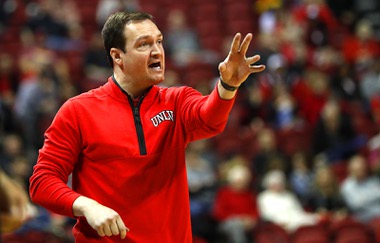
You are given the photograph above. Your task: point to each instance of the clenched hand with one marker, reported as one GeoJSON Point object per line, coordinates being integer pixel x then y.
{"type": "Point", "coordinates": [104, 220]}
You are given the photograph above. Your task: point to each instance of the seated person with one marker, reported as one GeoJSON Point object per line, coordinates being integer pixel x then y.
{"type": "Point", "coordinates": [325, 197]}
{"type": "Point", "coordinates": [235, 205]}
{"type": "Point", "coordinates": [280, 206]}
{"type": "Point", "coordinates": [361, 191]}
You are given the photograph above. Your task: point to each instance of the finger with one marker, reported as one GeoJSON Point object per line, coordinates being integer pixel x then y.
{"type": "Point", "coordinates": [107, 230]}
{"type": "Point", "coordinates": [257, 68]}
{"type": "Point", "coordinates": [235, 43]}
{"type": "Point", "coordinates": [245, 44]}
{"type": "Point", "coordinates": [252, 60]}
{"type": "Point", "coordinates": [114, 228]}
{"type": "Point", "coordinates": [122, 229]}
{"type": "Point", "coordinates": [100, 231]}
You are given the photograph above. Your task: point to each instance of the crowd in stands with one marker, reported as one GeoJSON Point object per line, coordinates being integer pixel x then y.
{"type": "Point", "coordinates": [301, 150]}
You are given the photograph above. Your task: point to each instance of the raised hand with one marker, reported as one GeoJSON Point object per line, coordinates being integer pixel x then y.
{"type": "Point", "coordinates": [236, 68]}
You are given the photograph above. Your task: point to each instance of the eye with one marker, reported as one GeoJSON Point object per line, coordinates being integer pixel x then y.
{"type": "Point", "coordinates": [144, 44]}
{"type": "Point", "coordinates": [159, 42]}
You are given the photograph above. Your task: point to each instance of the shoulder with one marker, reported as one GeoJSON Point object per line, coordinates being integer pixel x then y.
{"type": "Point", "coordinates": [347, 184]}
{"type": "Point", "coordinates": [88, 97]}
{"type": "Point", "coordinates": [177, 92]}
{"type": "Point", "coordinates": [91, 94]}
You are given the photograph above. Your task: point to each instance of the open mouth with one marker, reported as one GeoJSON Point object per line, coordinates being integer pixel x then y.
{"type": "Point", "coordinates": [155, 65]}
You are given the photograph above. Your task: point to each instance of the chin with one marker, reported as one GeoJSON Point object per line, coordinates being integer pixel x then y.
{"type": "Point", "coordinates": [158, 80]}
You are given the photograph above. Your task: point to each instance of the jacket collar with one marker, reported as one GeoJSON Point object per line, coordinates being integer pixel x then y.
{"type": "Point", "coordinates": [116, 92]}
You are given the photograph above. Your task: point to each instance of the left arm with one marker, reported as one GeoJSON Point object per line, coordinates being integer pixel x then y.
{"type": "Point", "coordinates": [207, 115]}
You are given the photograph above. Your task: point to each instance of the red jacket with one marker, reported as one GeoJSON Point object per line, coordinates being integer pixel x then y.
{"type": "Point", "coordinates": [230, 203]}
{"type": "Point", "coordinates": [131, 159]}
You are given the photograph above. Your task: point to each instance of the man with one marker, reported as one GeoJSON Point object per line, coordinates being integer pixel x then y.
{"type": "Point", "coordinates": [124, 142]}
{"type": "Point", "coordinates": [361, 191]}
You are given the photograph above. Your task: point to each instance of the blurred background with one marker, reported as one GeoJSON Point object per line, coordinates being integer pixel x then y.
{"type": "Point", "coordinates": [301, 151]}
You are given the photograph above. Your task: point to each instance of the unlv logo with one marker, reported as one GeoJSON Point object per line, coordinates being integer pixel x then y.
{"type": "Point", "coordinates": [162, 116]}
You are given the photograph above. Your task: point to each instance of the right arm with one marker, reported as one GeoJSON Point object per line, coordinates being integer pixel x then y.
{"type": "Point", "coordinates": [56, 161]}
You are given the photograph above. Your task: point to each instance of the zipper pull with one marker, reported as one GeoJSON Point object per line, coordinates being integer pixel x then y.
{"type": "Point", "coordinates": [137, 113]}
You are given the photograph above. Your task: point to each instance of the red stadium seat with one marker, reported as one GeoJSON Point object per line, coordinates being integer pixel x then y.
{"type": "Point", "coordinates": [213, 43]}
{"type": "Point", "coordinates": [310, 234]}
{"type": "Point", "coordinates": [238, 11]}
{"type": "Point", "coordinates": [270, 233]}
{"type": "Point", "coordinates": [350, 231]}
{"type": "Point", "coordinates": [375, 226]}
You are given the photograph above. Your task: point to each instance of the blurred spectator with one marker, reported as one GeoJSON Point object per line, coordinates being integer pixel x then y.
{"type": "Point", "coordinates": [11, 148]}
{"type": "Point", "coordinates": [201, 179]}
{"type": "Point", "coordinates": [181, 41]}
{"type": "Point", "coordinates": [36, 103]}
{"type": "Point", "coordinates": [96, 66]}
{"type": "Point", "coordinates": [268, 157]}
{"type": "Point", "coordinates": [60, 24]}
{"type": "Point", "coordinates": [284, 108]}
{"type": "Point", "coordinates": [15, 207]}
{"type": "Point", "coordinates": [311, 93]}
{"type": "Point", "coordinates": [301, 178]}
{"type": "Point", "coordinates": [7, 8]}
{"type": "Point", "coordinates": [318, 21]}
{"type": "Point", "coordinates": [361, 190]}
{"type": "Point", "coordinates": [280, 206]}
{"type": "Point", "coordinates": [342, 10]}
{"type": "Point", "coordinates": [370, 82]}
{"type": "Point", "coordinates": [368, 9]}
{"type": "Point", "coordinates": [325, 198]}
{"type": "Point", "coordinates": [375, 109]}
{"type": "Point", "coordinates": [362, 47]}
{"type": "Point", "coordinates": [9, 81]}
{"type": "Point", "coordinates": [374, 154]}
{"type": "Point", "coordinates": [107, 7]}
{"type": "Point", "coordinates": [235, 206]}
{"type": "Point", "coordinates": [343, 83]}
{"type": "Point", "coordinates": [334, 135]}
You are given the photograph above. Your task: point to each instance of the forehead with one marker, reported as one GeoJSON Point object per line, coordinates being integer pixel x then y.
{"type": "Point", "coordinates": [136, 29]}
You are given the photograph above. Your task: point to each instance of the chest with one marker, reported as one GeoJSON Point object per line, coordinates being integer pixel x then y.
{"type": "Point", "coordinates": [119, 130]}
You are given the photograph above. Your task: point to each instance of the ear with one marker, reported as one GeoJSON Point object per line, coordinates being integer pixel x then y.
{"type": "Point", "coordinates": [116, 56]}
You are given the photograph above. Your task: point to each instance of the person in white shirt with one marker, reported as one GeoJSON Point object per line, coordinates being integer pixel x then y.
{"type": "Point", "coordinates": [280, 206]}
{"type": "Point", "coordinates": [361, 191]}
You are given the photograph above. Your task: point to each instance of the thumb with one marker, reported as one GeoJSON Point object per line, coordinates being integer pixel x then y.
{"type": "Point", "coordinates": [222, 67]}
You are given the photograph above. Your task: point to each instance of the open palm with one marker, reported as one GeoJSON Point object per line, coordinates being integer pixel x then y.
{"type": "Point", "coordinates": [236, 68]}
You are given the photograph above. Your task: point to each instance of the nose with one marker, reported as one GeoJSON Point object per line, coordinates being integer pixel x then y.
{"type": "Point", "coordinates": [157, 50]}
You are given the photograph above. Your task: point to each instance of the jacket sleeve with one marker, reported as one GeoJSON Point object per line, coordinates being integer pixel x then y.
{"type": "Point", "coordinates": [48, 183]}
{"type": "Point", "coordinates": [203, 116]}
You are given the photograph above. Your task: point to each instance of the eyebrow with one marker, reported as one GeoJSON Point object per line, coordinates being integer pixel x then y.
{"type": "Point", "coordinates": [147, 36]}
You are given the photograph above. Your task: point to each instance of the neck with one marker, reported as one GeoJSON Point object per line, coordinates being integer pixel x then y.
{"type": "Point", "coordinates": [131, 88]}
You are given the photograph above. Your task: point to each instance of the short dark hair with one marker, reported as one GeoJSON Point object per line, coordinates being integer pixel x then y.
{"type": "Point", "coordinates": [113, 30]}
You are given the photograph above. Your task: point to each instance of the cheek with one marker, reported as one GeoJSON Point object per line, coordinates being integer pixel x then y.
{"type": "Point", "coordinates": [136, 62]}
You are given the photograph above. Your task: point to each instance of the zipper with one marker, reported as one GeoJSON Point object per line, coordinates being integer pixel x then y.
{"type": "Point", "coordinates": [136, 118]}
{"type": "Point", "coordinates": [138, 124]}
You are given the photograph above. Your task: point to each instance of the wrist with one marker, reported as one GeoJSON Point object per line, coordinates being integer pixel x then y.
{"type": "Point", "coordinates": [225, 94]}
{"type": "Point", "coordinates": [227, 86]}
{"type": "Point", "coordinates": [82, 204]}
